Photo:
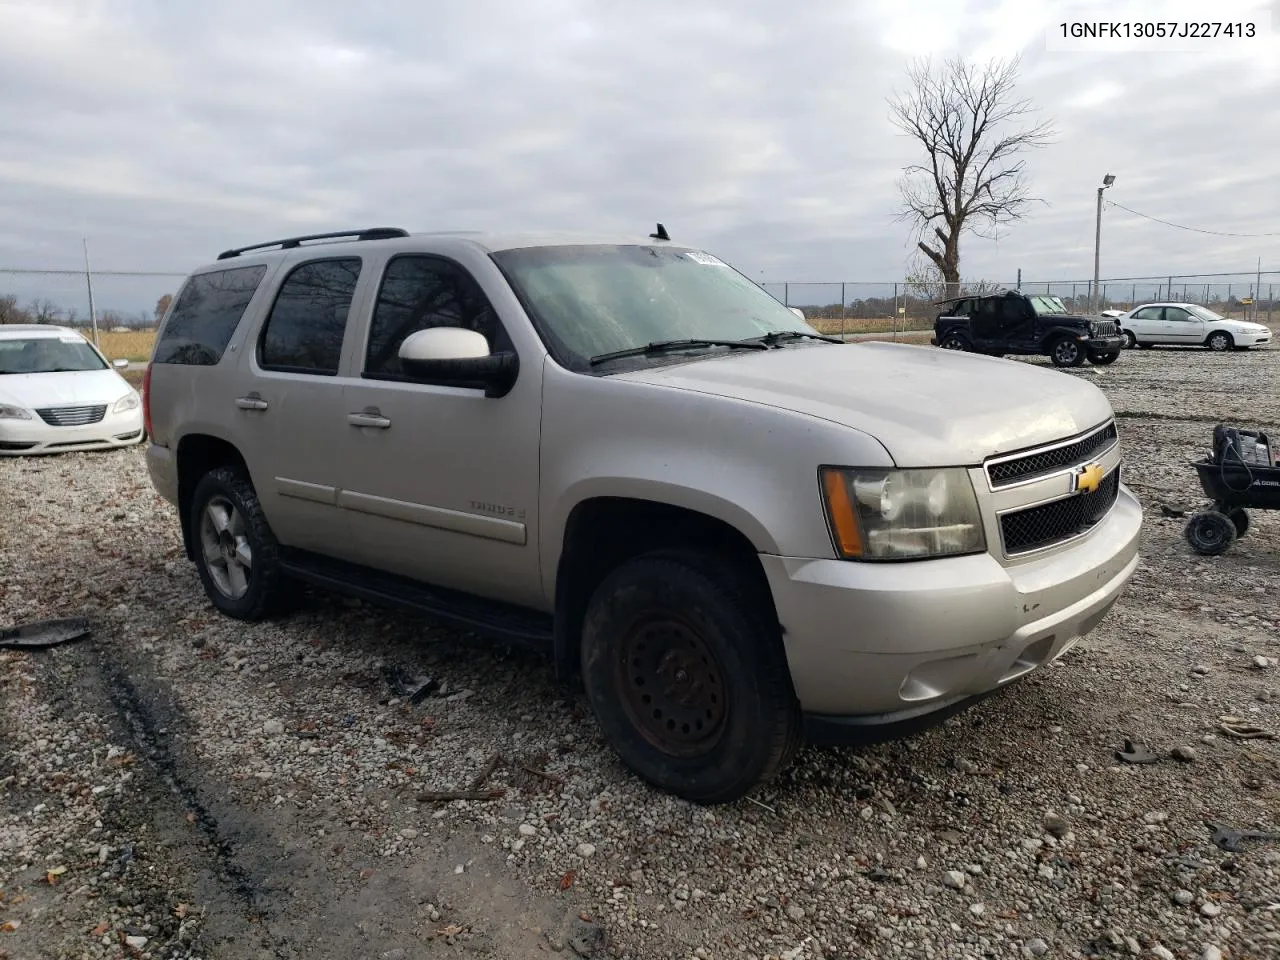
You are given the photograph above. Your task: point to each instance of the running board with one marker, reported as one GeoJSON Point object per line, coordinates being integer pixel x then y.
{"type": "Point", "coordinates": [494, 619]}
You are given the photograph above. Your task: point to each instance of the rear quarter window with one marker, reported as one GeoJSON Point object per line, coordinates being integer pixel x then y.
{"type": "Point", "coordinates": [206, 314]}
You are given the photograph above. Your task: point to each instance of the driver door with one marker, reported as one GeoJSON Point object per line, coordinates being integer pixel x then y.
{"type": "Point", "coordinates": [1182, 326]}
{"type": "Point", "coordinates": [441, 482]}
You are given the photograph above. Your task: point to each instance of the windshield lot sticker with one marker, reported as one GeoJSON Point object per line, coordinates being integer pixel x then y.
{"type": "Point", "coordinates": [704, 258]}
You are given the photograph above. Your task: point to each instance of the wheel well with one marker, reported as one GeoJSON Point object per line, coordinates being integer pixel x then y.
{"type": "Point", "coordinates": [1214, 333]}
{"type": "Point", "coordinates": [197, 455]}
{"type": "Point", "coordinates": [605, 532]}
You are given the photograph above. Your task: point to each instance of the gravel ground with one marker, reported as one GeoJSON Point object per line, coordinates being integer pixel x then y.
{"type": "Point", "coordinates": [182, 785]}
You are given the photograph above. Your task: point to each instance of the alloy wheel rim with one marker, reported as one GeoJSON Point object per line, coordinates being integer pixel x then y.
{"type": "Point", "coordinates": [224, 543]}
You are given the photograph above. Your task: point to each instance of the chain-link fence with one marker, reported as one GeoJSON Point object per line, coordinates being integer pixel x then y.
{"type": "Point", "coordinates": [133, 298]}
{"type": "Point", "coordinates": [119, 298]}
{"type": "Point", "coordinates": [873, 308]}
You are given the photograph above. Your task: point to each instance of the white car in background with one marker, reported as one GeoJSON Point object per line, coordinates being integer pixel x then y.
{"type": "Point", "coordinates": [1189, 325]}
{"type": "Point", "coordinates": [58, 393]}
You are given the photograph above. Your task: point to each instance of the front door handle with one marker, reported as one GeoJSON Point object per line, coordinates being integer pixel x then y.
{"type": "Point", "coordinates": [368, 420]}
{"type": "Point", "coordinates": [251, 403]}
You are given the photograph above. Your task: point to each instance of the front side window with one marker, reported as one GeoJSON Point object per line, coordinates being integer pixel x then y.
{"type": "Point", "coordinates": [417, 293]}
{"type": "Point", "coordinates": [593, 300]}
{"type": "Point", "coordinates": [48, 355]}
{"type": "Point", "coordinates": [206, 314]}
{"type": "Point", "coordinates": [1176, 315]}
{"type": "Point", "coordinates": [304, 332]}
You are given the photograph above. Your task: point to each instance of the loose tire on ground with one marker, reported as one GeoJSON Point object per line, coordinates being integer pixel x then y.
{"type": "Point", "coordinates": [236, 553]}
{"type": "Point", "coordinates": [1210, 533]}
{"type": "Point", "coordinates": [1066, 352]}
{"type": "Point", "coordinates": [684, 668]}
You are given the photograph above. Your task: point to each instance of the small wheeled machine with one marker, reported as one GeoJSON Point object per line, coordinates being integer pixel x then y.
{"type": "Point", "coordinates": [1239, 476]}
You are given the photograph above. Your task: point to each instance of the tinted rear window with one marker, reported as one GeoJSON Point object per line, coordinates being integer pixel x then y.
{"type": "Point", "coordinates": [304, 332]}
{"type": "Point", "coordinates": [206, 315]}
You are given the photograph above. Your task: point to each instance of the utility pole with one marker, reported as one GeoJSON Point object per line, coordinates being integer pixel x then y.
{"type": "Point", "coordinates": [88, 279]}
{"type": "Point", "coordinates": [1094, 306]}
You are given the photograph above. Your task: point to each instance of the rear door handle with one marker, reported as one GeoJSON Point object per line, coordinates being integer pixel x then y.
{"type": "Point", "coordinates": [368, 420]}
{"type": "Point", "coordinates": [251, 403]}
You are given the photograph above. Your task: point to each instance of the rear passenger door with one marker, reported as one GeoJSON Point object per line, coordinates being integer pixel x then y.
{"type": "Point", "coordinates": [290, 407]}
{"type": "Point", "coordinates": [1147, 325]}
{"type": "Point", "coordinates": [441, 481]}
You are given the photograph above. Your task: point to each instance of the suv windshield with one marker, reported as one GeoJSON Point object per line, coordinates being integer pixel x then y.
{"type": "Point", "coordinates": [594, 300]}
{"type": "Point", "coordinates": [48, 355]}
{"type": "Point", "coordinates": [1048, 306]}
{"type": "Point", "coordinates": [1204, 313]}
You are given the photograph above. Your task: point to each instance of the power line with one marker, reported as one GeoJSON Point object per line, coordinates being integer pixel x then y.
{"type": "Point", "coordinates": [1167, 223]}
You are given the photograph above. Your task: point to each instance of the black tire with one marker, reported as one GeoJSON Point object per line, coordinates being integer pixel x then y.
{"type": "Point", "coordinates": [1066, 352]}
{"type": "Point", "coordinates": [954, 341]}
{"type": "Point", "coordinates": [1239, 518]}
{"type": "Point", "coordinates": [1100, 359]}
{"type": "Point", "coordinates": [265, 585]}
{"type": "Point", "coordinates": [697, 620]}
{"type": "Point", "coordinates": [1220, 342]}
{"type": "Point", "coordinates": [1130, 341]}
{"type": "Point", "coordinates": [1210, 533]}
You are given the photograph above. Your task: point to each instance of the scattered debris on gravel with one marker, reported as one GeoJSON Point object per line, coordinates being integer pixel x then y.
{"type": "Point", "coordinates": [352, 783]}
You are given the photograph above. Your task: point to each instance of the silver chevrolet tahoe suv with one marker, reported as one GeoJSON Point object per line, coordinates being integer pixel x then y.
{"type": "Point", "coordinates": [734, 530]}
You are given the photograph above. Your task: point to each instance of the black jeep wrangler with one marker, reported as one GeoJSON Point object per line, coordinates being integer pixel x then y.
{"type": "Point", "coordinates": [1013, 322]}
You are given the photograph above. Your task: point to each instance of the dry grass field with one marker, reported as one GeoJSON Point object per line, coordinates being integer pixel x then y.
{"type": "Point", "coordinates": [134, 346]}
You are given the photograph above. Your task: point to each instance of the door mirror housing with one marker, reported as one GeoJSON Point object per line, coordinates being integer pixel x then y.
{"type": "Point", "coordinates": [121, 364]}
{"type": "Point", "coordinates": [458, 357]}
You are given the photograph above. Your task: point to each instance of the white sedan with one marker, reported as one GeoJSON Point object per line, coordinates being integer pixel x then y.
{"type": "Point", "coordinates": [58, 393]}
{"type": "Point", "coordinates": [1191, 325]}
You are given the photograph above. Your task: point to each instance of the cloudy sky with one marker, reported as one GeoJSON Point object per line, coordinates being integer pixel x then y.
{"type": "Point", "coordinates": [167, 130]}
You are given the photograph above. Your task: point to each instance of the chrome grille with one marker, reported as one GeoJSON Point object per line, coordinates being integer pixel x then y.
{"type": "Point", "coordinates": [1049, 523]}
{"type": "Point", "coordinates": [1105, 328]}
{"type": "Point", "coordinates": [1004, 473]}
{"type": "Point", "coordinates": [72, 416]}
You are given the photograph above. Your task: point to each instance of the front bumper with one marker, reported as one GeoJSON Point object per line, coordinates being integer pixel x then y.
{"type": "Point", "coordinates": [875, 647]}
{"type": "Point", "coordinates": [34, 436]}
{"type": "Point", "coordinates": [1106, 344]}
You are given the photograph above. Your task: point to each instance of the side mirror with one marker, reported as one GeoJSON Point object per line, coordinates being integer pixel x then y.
{"type": "Point", "coordinates": [798, 312]}
{"type": "Point", "coordinates": [120, 364]}
{"type": "Point", "coordinates": [457, 357]}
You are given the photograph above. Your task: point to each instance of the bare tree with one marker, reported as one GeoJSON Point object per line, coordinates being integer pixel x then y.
{"type": "Point", "coordinates": [162, 305]}
{"type": "Point", "coordinates": [974, 130]}
{"type": "Point", "coordinates": [41, 310]}
{"type": "Point", "coordinates": [10, 312]}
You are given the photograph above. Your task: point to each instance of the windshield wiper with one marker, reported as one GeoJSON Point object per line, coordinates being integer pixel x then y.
{"type": "Point", "coordinates": [778, 336]}
{"type": "Point", "coordinates": [663, 346]}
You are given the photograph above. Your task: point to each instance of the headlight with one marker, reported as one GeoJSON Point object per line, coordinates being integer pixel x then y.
{"type": "Point", "coordinates": [125, 403]}
{"type": "Point", "coordinates": [8, 412]}
{"type": "Point", "coordinates": [901, 514]}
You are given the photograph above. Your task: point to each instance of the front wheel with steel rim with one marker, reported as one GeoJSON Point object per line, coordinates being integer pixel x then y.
{"type": "Point", "coordinates": [235, 551]}
{"type": "Point", "coordinates": [684, 669]}
{"type": "Point", "coordinates": [1220, 342]}
{"type": "Point", "coordinates": [1066, 352]}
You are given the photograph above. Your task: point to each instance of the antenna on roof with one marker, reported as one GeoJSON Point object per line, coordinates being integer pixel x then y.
{"type": "Point", "coordinates": [661, 234]}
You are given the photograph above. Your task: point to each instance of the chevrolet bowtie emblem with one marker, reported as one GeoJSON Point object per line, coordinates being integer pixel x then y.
{"type": "Point", "coordinates": [1087, 479]}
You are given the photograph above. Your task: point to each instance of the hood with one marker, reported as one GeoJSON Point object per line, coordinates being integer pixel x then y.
{"type": "Point", "coordinates": [83, 387]}
{"type": "Point", "coordinates": [1241, 326]}
{"type": "Point", "coordinates": [928, 407]}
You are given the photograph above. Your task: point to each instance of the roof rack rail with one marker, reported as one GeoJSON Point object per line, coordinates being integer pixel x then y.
{"type": "Point", "coordinates": [290, 243]}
